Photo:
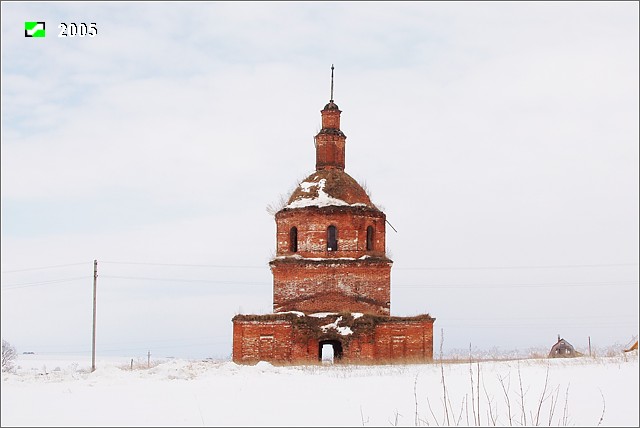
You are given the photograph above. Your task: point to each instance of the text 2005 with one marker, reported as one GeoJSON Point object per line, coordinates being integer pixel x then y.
{"type": "Point", "coordinates": [79, 30]}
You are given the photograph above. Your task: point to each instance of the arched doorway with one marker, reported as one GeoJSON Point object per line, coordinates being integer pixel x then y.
{"type": "Point", "coordinates": [329, 350]}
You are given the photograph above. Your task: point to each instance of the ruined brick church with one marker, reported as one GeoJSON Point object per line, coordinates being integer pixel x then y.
{"type": "Point", "coordinates": [331, 275]}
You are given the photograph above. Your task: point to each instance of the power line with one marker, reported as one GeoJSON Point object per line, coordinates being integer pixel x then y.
{"type": "Point", "coordinates": [143, 346]}
{"type": "Point", "coordinates": [208, 281]}
{"type": "Point", "coordinates": [140, 346]}
{"type": "Point", "coordinates": [253, 283]}
{"type": "Point", "coordinates": [155, 342]}
{"type": "Point", "coordinates": [189, 265]}
{"type": "Point", "coordinates": [395, 268]}
{"type": "Point", "coordinates": [518, 267]}
{"type": "Point", "coordinates": [549, 318]}
{"type": "Point", "coordinates": [539, 284]}
{"type": "Point", "coordinates": [44, 267]}
{"type": "Point", "coordinates": [34, 284]}
{"type": "Point", "coordinates": [537, 324]}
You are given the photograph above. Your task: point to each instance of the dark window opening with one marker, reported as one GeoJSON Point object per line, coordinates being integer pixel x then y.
{"type": "Point", "coordinates": [332, 238]}
{"type": "Point", "coordinates": [293, 239]}
{"type": "Point", "coordinates": [370, 238]}
{"type": "Point", "coordinates": [324, 350]}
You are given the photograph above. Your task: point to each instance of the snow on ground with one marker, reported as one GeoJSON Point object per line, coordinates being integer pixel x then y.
{"type": "Point", "coordinates": [62, 391]}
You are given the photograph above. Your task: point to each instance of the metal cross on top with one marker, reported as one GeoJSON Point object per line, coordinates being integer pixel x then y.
{"type": "Point", "coordinates": [331, 99]}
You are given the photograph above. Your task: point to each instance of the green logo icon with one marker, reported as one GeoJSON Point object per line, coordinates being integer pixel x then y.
{"type": "Point", "coordinates": [34, 29]}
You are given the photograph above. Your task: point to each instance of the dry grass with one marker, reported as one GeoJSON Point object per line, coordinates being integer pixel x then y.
{"type": "Point", "coordinates": [141, 364]}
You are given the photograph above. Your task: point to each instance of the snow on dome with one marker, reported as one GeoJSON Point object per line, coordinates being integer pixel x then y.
{"type": "Point", "coordinates": [331, 187]}
{"type": "Point", "coordinates": [322, 200]}
{"type": "Point", "coordinates": [306, 185]}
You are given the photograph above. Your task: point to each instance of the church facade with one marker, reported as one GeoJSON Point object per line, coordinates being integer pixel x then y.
{"type": "Point", "coordinates": [331, 275]}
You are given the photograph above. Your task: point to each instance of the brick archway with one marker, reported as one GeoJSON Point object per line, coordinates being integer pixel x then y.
{"type": "Point", "coordinates": [337, 349]}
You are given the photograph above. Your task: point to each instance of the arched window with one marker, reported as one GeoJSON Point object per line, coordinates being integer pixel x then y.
{"type": "Point", "coordinates": [370, 238]}
{"type": "Point", "coordinates": [293, 239]}
{"type": "Point", "coordinates": [332, 238]}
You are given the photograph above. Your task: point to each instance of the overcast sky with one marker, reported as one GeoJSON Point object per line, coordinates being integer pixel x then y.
{"type": "Point", "coordinates": [500, 139]}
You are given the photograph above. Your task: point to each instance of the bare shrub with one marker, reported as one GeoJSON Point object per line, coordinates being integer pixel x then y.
{"type": "Point", "coordinates": [485, 408]}
{"type": "Point", "coordinates": [444, 385]}
{"type": "Point", "coordinates": [273, 208]}
{"type": "Point", "coordinates": [140, 364]}
{"type": "Point", "coordinates": [9, 355]}
{"type": "Point", "coordinates": [283, 199]}
{"type": "Point", "coordinates": [603, 408]}
{"type": "Point", "coordinates": [365, 187]}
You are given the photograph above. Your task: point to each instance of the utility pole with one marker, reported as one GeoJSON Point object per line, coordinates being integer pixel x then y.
{"type": "Point", "coordinates": [149, 359]}
{"type": "Point", "coordinates": [93, 341]}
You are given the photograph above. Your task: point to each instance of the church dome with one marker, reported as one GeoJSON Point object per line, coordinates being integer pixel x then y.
{"type": "Point", "coordinates": [329, 187]}
{"type": "Point", "coordinates": [331, 106]}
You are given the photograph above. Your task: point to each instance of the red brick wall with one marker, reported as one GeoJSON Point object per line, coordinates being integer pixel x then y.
{"type": "Point", "coordinates": [286, 338]}
{"type": "Point", "coordinates": [330, 151]}
{"type": "Point", "coordinates": [263, 338]}
{"type": "Point", "coordinates": [267, 340]}
{"type": "Point", "coordinates": [410, 340]}
{"type": "Point", "coordinates": [330, 142]}
{"type": "Point", "coordinates": [331, 118]}
{"type": "Point", "coordinates": [332, 285]}
{"type": "Point", "coordinates": [314, 279]}
{"type": "Point", "coordinates": [312, 224]}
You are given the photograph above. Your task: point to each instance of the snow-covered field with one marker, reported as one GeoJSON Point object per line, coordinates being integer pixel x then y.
{"type": "Point", "coordinates": [62, 391]}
